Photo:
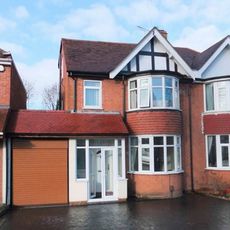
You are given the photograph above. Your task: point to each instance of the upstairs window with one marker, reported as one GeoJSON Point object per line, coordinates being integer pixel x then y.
{"type": "Point", "coordinates": [154, 92]}
{"type": "Point", "coordinates": [92, 94]}
{"type": "Point", "coordinates": [217, 96]}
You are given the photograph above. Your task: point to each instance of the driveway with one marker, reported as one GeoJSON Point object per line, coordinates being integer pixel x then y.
{"type": "Point", "coordinates": [189, 212]}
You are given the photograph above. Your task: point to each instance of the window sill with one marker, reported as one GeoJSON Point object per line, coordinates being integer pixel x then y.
{"type": "Point", "coordinates": [95, 108]}
{"type": "Point", "coordinates": [216, 112]}
{"type": "Point", "coordinates": [81, 180]}
{"type": "Point", "coordinates": [156, 173]}
{"type": "Point", "coordinates": [218, 169]}
{"type": "Point", "coordinates": [153, 109]}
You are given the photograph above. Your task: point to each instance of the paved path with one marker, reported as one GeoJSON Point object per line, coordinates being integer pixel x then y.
{"type": "Point", "coordinates": [189, 212]}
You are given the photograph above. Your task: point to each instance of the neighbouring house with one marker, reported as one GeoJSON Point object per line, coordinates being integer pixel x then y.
{"type": "Point", "coordinates": [12, 96]}
{"type": "Point", "coordinates": [148, 120]}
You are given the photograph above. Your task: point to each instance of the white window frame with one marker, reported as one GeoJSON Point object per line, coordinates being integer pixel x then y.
{"type": "Point", "coordinates": [115, 149]}
{"type": "Point", "coordinates": [218, 152]}
{"type": "Point", "coordinates": [151, 146]}
{"type": "Point", "coordinates": [92, 87]}
{"type": "Point", "coordinates": [175, 90]}
{"type": "Point", "coordinates": [86, 159]}
{"type": "Point", "coordinates": [216, 97]}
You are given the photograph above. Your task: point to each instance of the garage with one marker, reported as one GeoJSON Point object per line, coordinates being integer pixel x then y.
{"type": "Point", "coordinates": [39, 169]}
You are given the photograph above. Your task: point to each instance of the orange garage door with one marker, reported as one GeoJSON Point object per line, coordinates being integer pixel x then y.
{"type": "Point", "coordinates": [39, 172]}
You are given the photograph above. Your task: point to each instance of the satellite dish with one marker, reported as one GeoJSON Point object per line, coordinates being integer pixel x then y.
{"type": "Point", "coordinates": [2, 68]}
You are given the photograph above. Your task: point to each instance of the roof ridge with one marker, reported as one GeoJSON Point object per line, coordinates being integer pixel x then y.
{"type": "Point", "coordinates": [94, 41]}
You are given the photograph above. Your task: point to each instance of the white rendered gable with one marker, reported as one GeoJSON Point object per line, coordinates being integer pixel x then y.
{"type": "Point", "coordinates": [220, 66]}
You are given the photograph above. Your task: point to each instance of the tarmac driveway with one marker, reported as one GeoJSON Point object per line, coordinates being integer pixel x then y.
{"type": "Point", "coordinates": [189, 212]}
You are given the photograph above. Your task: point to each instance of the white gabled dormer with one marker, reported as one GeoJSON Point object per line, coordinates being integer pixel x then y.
{"type": "Point", "coordinates": [153, 53]}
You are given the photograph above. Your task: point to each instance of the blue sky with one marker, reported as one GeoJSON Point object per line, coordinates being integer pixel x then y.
{"type": "Point", "coordinates": [31, 30]}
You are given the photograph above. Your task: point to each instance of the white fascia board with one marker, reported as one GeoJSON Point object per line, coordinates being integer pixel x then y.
{"type": "Point", "coordinates": [136, 50]}
{"type": "Point", "coordinates": [5, 61]}
{"type": "Point", "coordinates": [214, 56]}
{"type": "Point", "coordinates": [173, 52]}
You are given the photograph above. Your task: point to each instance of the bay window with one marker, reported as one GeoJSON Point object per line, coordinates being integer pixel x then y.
{"type": "Point", "coordinates": [217, 96]}
{"type": "Point", "coordinates": [155, 154]}
{"type": "Point", "coordinates": [154, 92]}
{"type": "Point", "coordinates": [92, 94]}
{"type": "Point", "coordinates": [218, 150]}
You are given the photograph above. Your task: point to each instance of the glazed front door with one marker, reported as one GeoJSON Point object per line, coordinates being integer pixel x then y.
{"type": "Point", "coordinates": [101, 173]}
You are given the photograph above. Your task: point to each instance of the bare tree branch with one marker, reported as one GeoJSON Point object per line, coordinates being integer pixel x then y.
{"type": "Point", "coordinates": [30, 91]}
{"type": "Point", "coordinates": [50, 97]}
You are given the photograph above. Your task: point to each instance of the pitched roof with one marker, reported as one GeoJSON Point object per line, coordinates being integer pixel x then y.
{"type": "Point", "coordinates": [187, 54]}
{"type": "Point", "coordinates": [202, 57]}
{"type": "Point", "coordinates": [102, 57]}
{"type": "Point", "coordinates": [94, 56]}
{"type": "Point", "coordinates": [3, 119]}
{"type": "Point", "coordinates": [61, 123]}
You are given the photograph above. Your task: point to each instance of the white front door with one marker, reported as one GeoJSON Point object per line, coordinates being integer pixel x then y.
{"type": "Point", "coordinates": [101, 174]}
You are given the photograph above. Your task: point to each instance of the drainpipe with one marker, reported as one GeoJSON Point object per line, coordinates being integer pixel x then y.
{"type": "Point", "coordinates": [75, 95]}
{"type": "Point", "coordinates": [190, 137]}
{"type": "Point", "coordinates": [124, 98]}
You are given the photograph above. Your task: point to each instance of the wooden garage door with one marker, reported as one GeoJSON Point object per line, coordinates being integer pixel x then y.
{"type": "Point", "coordinates": [39, 172]}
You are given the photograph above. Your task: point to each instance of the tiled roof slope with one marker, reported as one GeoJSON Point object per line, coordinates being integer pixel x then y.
{"type": "Point", "coordinates": [92, 56]}
{"type": "Point", "coordinates": [61, 123]}
{"type": "Point", "coordinates": [102, 57]}
{"type": "Point", "coordinates": [3, 119]}
{"type": "Point", "coordinates": [201, 58]}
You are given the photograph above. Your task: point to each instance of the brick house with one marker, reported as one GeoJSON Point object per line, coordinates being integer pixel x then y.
{"type": "Point", "coordinates": [12, 96]}
{"type": "Point", "coordinates": [148, 120]}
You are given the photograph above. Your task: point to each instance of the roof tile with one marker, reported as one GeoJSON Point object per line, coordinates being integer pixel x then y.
{"type": "Point", "coordinates": [32, 122]}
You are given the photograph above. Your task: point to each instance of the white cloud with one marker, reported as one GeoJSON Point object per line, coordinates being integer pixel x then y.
{"type": "Point", "coordinates": [97, 22]}
{"type": "Point", "coordinates": [152, 13]}
{"type": "Point", "coordinates": [41, 74]}
{"type": "Point", "coordinates": [6, 24]}
{"type": "Point", "coordinates": [199, 38]}
{"type": "Point", "coordinates": [15, 49]}
{"type": "Point", "coordinates": [138, 12]}
{"type": "Point", "coordinates": [21, 12]}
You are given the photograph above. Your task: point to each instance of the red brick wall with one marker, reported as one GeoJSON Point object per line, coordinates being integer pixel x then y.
{"type": "Point", "coordinates": [155, 186]}
{"type": "Point", "coordinates": [198, 138]}
{"type": "Point", "coordinates": [12, 91]}
{"type": "Point", "coordinates": [217, 123]}
{"type": "Point", "coordinates": [5, 86]}
{"type": "Point", "coordinates": [17, 91]}
{"type": "Point", "coordinates": [185, 140]}
{"type": "Point", "coordinates": [154, 122]}
{"type": "Point", "coordinates": [112, 95]}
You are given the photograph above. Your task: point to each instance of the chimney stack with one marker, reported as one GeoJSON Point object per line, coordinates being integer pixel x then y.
{"type": "Point", "coordinates": [164, 33]}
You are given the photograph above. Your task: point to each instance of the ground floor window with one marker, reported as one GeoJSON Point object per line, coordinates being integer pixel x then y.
{"type": "Point", "coordinates": [86, 146]}
{"type": "Point", "coordinates": [218, 150]}
{"type": "Point", "coordinates": [155, 153]}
